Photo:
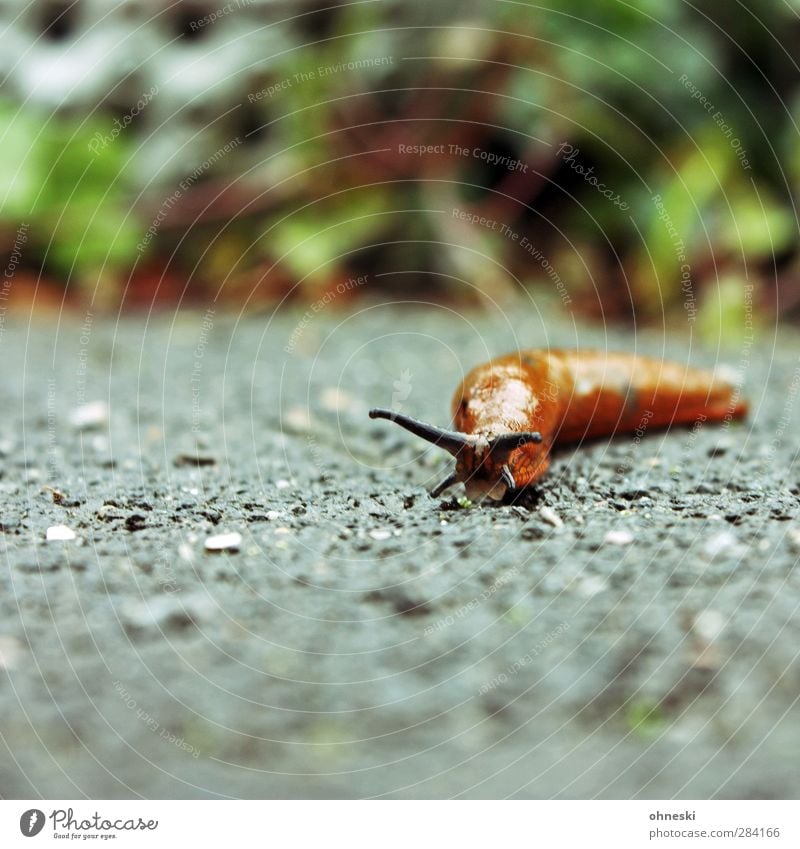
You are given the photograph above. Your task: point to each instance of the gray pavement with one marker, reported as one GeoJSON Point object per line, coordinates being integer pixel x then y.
{"type": "Point", "coordinates": [628, 629]}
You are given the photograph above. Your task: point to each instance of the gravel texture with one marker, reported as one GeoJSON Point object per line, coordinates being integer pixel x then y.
{"type": "Point", "coordinates": [261, 599]}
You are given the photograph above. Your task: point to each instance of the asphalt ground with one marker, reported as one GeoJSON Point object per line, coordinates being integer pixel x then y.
{"type": "Point", "coordinates": [630, 628]}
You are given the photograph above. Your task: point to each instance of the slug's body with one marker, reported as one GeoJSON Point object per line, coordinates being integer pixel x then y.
{"type": "Point", "coordinates": [511, 411]}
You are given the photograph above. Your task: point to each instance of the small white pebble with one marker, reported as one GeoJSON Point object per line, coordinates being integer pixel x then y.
{"type": "Point", "coordinates": [550, 515]}
{"type": "Point", "coordinates": [272, 515]}
{"type": "Point", "coordinates": [10, 652]}
{"type": "Point", "coordinates": [282, 483]}
{"type": "Point", "coordinates": [185, 552]}
{"type": "Point", "coordinates": [224, 542]}
{"type": "Point", "coordinates": [100, 444]}
{"type": "Point", "coordinates": [709, 624]}
{"type": "Point", "coordinates": [720, 543]}
{"type": "Point", "coordinates": [336, 399]}
{"type": "Point", "coordinates": [619, 537]}
{"type": "Point", "coordinates": [93, 414]}
{"type": "Point", "coordinates": [297, 418]}
{"type": "Point", "coordinates": [591, 586]}
{"type": "Point", "coordinates": [59, 533]}
{"type": "Point", "coordinates": [380, 534]}
{"type": "Point", "coordinates": [794, 537]}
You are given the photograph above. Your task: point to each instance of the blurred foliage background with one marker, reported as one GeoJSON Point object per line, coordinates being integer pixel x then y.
{"type": "Point", "coordinates": [627, 158]}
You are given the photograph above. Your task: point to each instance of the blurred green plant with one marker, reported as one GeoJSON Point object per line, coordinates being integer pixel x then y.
{"type": "Point", "coordinates": [688, 114]}
{"type": "Point", "coordinates": [645, 718]}
{"type": "Point", "coordinates": [72, 192]}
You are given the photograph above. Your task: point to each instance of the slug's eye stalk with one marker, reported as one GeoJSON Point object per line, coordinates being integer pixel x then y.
{"type": "Point", "coordinates": [451, 440]}
{"type": "Point", "coordinates": [509, 442]}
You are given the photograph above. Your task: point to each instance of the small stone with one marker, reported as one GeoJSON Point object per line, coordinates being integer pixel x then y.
{"type": "Point", "coordinates": [380, 534]}
{"type": "Point", "coordinates": [59, 533]}
{"type": "Point", "coordinates": [110, 511]}
{"type": "Point", "coordinates": [191, 458]}
{"type": "Point", "coordinates": [135, 522]}
{"type": "Point", "coordinates": [93, 414]}
{"type": "Point", "coordinates": [224, 542]}
{"type": "Point", "coordinates": [100, 444]}
{"type": "Point", "coordinates": [167, 611]}
{"type": "Point", "coordinates": [185, 552]}
{"type": "Point", "coordinates": [282, 483]}
{"type": "Point", "coordinates": [794, 538]}
{"type": "Point", "coordinates": [724, 542]}
{"type": "Point", "coordinates": [10, 652]}
{"type": "Point", "coordinates": [297, 419]}
{"type": "Point", "coordinates": [619, 538]}
{"type": "Point", "coordinates": [709, 624]}
{"type": "Point", "coordinates": [550, 516]}
{"type": "Point", "coordinates": [723, 446]}
{"type": "Point", "coordinates": [591, 586]}
{"type": "Point", "coordinates": [272, 515]}
{"type": "Point", "coordinates": [336, 400]}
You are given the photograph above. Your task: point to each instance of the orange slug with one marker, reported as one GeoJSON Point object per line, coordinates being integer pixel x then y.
{"type": "Point", "coordinates": [511, 411]}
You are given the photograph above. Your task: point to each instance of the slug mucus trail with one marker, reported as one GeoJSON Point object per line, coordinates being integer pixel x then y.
{"type": "Point", "coordinates": [509, 413]}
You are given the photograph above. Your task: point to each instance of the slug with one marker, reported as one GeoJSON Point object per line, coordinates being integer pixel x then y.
{"type": "Point", "coordinates": [511, 411]}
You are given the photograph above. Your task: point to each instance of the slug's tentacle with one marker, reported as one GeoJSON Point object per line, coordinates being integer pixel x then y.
{"type": "Point", "coordinates": [451, 440]}
{"type": "Point", "coordinates": [440, 487]}
{"type": "Point", "coordinates": [508, 477]}
{"type": "Point", "coordinates": [508, 442]}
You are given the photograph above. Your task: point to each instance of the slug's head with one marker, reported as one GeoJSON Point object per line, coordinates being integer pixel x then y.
{"type": "Point", "coordinates": [482, 461]}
